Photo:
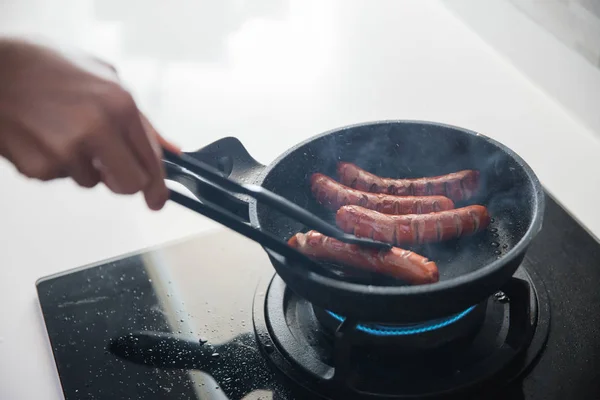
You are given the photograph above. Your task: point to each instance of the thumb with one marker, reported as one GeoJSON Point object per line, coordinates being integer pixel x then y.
{"type": "Point", "coordinates": [164, 143]}
{"type": "Point", "coordinates": [158, 142]}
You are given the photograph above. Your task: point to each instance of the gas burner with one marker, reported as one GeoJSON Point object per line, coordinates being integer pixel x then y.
{"type": "Point", "coordinates": [408, 329]}
{"type": "Point", "coordinates": [337, 357]}
{"type": "Point", "coordinates": [409, 338]}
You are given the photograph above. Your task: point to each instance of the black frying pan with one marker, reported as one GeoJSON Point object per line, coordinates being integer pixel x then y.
{"type": "Point", "coordinates": [471, 268]}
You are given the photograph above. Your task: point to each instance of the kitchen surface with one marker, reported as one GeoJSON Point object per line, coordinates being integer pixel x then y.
{"type": "Point", "coordinates": [271, 73]}
{"type": "Point", "coordinates": [195, 320]}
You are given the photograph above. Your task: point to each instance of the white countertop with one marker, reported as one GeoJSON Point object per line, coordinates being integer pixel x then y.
{"type": "Point", "coordinates": [272, 73]}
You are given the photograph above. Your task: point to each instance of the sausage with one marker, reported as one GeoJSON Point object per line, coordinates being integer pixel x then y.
{"type": "Point", "coordinates": [398, 263]}
{"type": "Point", "coordinates": [458, 186]}
{"type": "Point", "coordinates": [334, 195]}
{"type": "Point", "coordinates": [412, 229]}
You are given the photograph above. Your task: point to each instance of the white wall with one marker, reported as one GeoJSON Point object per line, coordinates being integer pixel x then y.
{"type": "Point", "coordinates": [562, 67]}
{"type": "Point", "coordinates": [576, 23]}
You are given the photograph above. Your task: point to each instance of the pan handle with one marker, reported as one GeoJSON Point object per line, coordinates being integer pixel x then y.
{"type": "Point", "coordinates": [230, 157]}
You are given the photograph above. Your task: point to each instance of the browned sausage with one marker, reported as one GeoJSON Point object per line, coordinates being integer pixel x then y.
{"type": "Point", "coordinates": [458, 186]}
{"type": "Point", "coordinates": [399, 263]}
{"type": "Point", "coordinates": [412, 229]}
{"type": "Point", "coordinates": [333, 195]}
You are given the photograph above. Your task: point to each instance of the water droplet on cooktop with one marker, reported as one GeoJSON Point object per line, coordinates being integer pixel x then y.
{"type": "Point", "coordinates": [497, 252]}
{"type": "Point", "coordinates": [215, 355]}
{"type": "Point", "coordinates": [492, 220]}
{"type": "Point", "coordinates": [503, 299]}
{"type": "Point", "coordinates": [505, 246]}
{"type": "Point", "coordinates": [495, 244]}
{"type": "Point", "coordinates": [493, 230]}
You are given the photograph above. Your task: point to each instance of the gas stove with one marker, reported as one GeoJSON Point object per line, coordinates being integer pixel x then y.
{"type": "Point", "coordinates": [206, 318]}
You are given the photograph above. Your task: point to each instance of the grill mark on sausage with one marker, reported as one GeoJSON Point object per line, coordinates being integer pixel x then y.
{"type": "Point", "coordinates": [363, 200]}
{"type": "Point", "coordinates": [429, 188]}
{"type": "Point", "coordinates": [457, 224]}
{"type": "Point", "coordinates": [403, 264]}
{"type": "Point", "coordinates": [334, 195]}
{"type": "Point", "coordinates": [415, 228]}
{"type": "Point", "coordinates": [475, 221]}
{"type": "Point", "coordinates": [422, 234]}
{"type": "Point", "coordinates": [438, 230]}
{"type": "Point", "coordinates": [345, 200]}
{"type": "Point", "coordinates": [460, 185]}
{"type": "Point", "coordinates": [371, 233]}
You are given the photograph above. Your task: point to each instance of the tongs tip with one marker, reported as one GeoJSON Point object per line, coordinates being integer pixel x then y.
{"type": "Point", "coordinates": [365, 242]}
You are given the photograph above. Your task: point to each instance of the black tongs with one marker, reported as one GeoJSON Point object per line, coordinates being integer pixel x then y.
{"type": "Point", "coordinates": [207, 175]}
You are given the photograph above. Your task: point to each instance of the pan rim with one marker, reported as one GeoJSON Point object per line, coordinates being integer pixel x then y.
{"type": "Point", "coordinates": [479, 274]}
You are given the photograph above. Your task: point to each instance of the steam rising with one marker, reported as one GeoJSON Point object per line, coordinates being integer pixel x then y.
{"type": "Point", "coordinates": [414, 150]}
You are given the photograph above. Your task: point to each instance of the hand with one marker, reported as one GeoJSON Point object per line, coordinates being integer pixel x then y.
{"type": "Point", "coordinates": [63, 116]}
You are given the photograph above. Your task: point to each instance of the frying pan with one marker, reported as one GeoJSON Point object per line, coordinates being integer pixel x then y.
{"type": "Point", "coordinates": [471, 268]}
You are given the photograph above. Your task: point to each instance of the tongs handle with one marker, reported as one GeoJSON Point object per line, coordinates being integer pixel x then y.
{"type": "Point", "coordinates": [224, 184]}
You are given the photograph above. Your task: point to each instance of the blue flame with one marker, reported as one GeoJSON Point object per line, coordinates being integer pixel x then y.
{"type": "Point", "coordinates": [381, 330]}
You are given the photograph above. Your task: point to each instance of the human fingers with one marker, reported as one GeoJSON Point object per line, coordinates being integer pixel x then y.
{"type": "Point", "coordinates": [165, 144]}
{"type": "Point", "coordinates": [27, 155]}
{"type": "Point", "coordinates": [142, 138]}
{"type": "Point", "coordinates": [83, 172]}
{"type": "Point", "coordinates": [108, 145]}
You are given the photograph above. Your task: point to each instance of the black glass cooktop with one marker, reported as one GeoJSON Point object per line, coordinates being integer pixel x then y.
{"type": "Point", "coordinates": [201, 292]}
